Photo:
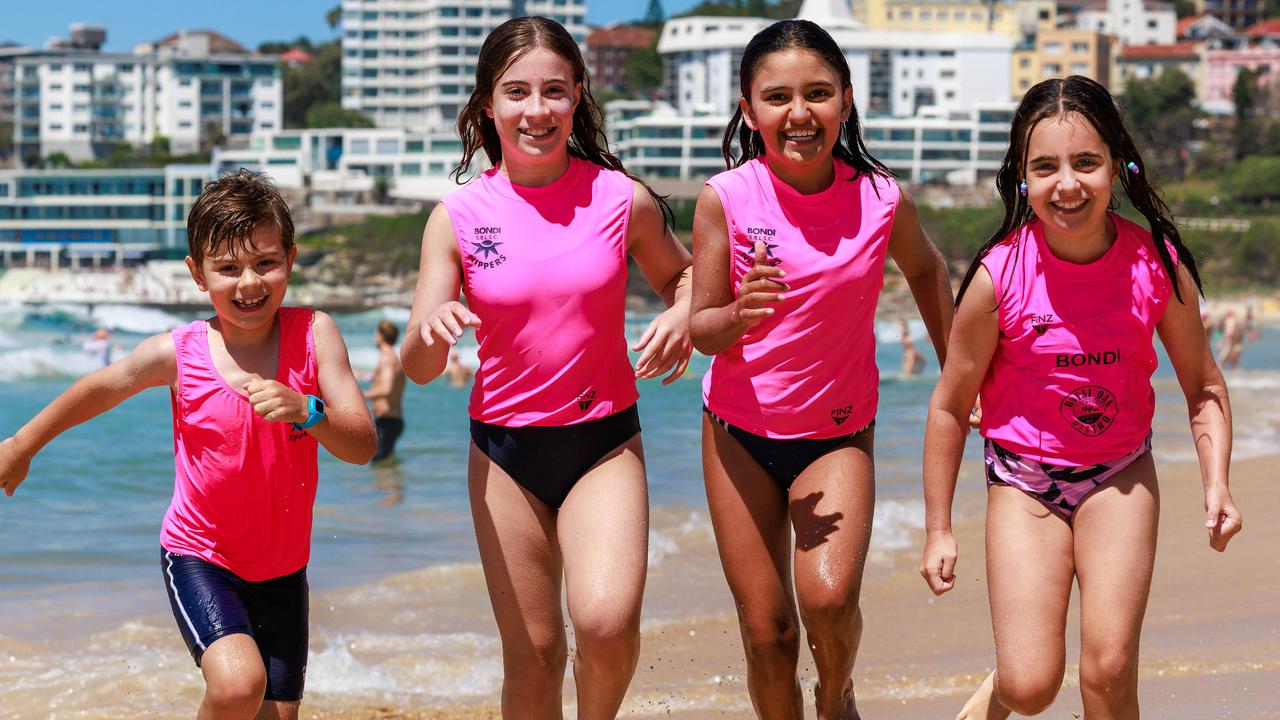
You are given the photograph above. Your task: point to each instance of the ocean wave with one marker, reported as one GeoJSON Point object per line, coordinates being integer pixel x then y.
{"type": "Point", "coordinates": [45, 364]}
{"type": "Point", "coordinates": [135, 319]}
{"type": "Point", "coordinates": [897, 525]}
{"type": "Point", "coordinates": [445, 665]}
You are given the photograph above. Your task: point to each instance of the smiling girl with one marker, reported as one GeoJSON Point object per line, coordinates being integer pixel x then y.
{"type": "Point", "coordinates": [255, 390]}
{"type": "Point", "coordinates": [539, 243]}
{"type": "Point", "coordinates": [1054, 329]}
{"type": "Point", "coordinates": [789, 253]}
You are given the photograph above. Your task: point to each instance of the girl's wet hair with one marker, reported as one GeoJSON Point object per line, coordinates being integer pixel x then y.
{"type": "Point", "coordinates": [796, 35]}
{"type": "Point", "coordinates": [507, 43]}
{"type": "Point", "coordinates": [1086, 98]}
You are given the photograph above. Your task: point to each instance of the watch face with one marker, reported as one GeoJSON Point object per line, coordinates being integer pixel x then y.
{"type": "Point", "coordinates": [319, 406]}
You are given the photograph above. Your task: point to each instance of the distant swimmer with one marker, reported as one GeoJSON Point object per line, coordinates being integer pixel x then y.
{"type": "Point", "coordinates": [1252, 328]}
{"type": "Point", "coordinates": [912, 359]}
{"type": "Point", "coordinates": [387, 391]}
{"type": "Point", "coordinates": [458, 372]}
{"type": "Point", "coordinates": [99, 346]}
{"type": "Point", "coordinates": [1231, 344]}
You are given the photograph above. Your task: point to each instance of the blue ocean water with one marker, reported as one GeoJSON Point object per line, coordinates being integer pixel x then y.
{"type": "Point", "coordinates": [80, 543]}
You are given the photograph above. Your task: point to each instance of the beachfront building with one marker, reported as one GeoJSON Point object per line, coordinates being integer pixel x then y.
{"type": "Point", "coordinates": [1132, 22]}
{"type": "Point", "coordinates": [84, 218]}
{"type": "Point", "coordinates": [412, 63]}
{"type": "Point", "coordinates": [1239, 14]}
{"type": "Point", "coordinates": [609, 48]}
{"type": "Point", "coordinates": [958, 146]}
{"type": "Point", "coordinates": [893, 72]}
{"type": "Point", "coordinates": [1147, 61]}
{"type": "Point", "coordinates": [1223, 65]}
{"type": "Point", "coordinates": [337, 169]}
{"type": "Point", "coordinates": [195, 89]}
{"type": "Point", "coordinates": [1074, 52]}
{"type": "Point", "coordinates": [1018, 19]}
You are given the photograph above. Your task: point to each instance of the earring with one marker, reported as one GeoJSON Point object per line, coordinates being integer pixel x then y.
{"type": "Point", "coordinates": [1133, 167]}
{"type": "Point", "coordinates": [1022, 188]}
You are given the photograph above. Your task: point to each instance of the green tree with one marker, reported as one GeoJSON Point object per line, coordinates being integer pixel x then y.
{"type": "Point", "coordinates": [1184, 8]}
{"type": "Point", "coordinates": [332, 114]}
{"type": "Point", "coordinates": [642, 72]}
{"type": "Point", "coordinates": [333, 17]}
{"type": "Point", "coordinates": [1253, 180]}
{"type": "Point", "coordinates": [1161, 113]}
{"type": "Point", "coordinates": [316, 83]}
{"type": "Point", "coordinates": [1247, 126]}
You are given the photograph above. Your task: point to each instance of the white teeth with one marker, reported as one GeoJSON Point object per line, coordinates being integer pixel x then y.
{"type": "Point", "coordinates": [1070, 205]}
{"type": "Point", "coordinates": [248, 304]}
{"type": "Point", "coordinates": [800, 137]}
{"type": "Point", "coordinates": [538, 133]}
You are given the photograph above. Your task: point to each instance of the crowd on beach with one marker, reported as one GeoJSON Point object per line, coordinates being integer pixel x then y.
{"type": "Point", "coordinates": [1046, 348]}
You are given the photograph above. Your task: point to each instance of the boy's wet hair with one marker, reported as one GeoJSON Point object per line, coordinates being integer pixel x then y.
{"type": "Point", "coordinates": [230, 209]}
{"type": "Point", "coordinates": [1083, 96]}
{"type": "Point", "coordinates": [388, 331]}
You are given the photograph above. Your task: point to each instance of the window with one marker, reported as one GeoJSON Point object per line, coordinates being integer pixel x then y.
{"type": "Point", "coordinates": [184, 103]}
{"type": "Point", "coordinates": [185, 124]}
{"type": "Point", "coordinates": [1053, 48]}
{"type": "Point", "coordinates": [1079, 69]}
{"type": "Point", "coordinates": [185, 82]}
{"type": "Point", "coordinates": [82, 67]}
{"type": "Point", "coordinates": [80, 128]}
{"type": "Point", "coordinates": [1024, 62]}
{"type": "Point", "coordinates": [1052, 69]}
{"type": "Point", "coordinates": [947, 74]}
{"type": "Point", "coordinates": [1152, 24]}
{"type": "Point", "coordinates": [360, 147]}
{"type": "Point", "coordinates": [1079, 47]}
{"type": "Point", "coordinates": [388, 146]}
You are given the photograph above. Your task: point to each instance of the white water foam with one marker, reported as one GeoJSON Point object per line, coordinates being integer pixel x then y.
{"type": "Point", "coordinates": [897, 525]}
{"type": "Point", "coordinates": [135, 319]}
{"type": "Point", "coordinates": [45, 363]}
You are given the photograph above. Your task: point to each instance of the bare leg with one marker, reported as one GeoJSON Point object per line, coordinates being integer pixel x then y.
{"type": "Point", "coordinates": [522, 565]}
{"type": "Point", "coordinates": [1115, 550]}
{"type": "Point", "coordinates": [235, 680]}
{"type": "Point", "coordinates": [749, 514]}
{"type": "Point", "coordinates": [832, 505]}
{"type": "Point", "coordinates": [603, 528]}
{"type": "Point", "coordinates": [983, 705]}
{"type": "Point", "coordinates": [278, 710]}
{"type": "Point", "coordinates": [1030, 567]}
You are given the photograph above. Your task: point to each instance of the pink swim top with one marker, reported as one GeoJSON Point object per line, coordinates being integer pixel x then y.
{"type": "Point", "coordinates": [809, 370]}
{"type": "Point", "coordinates": [545, 269]}
{"type": "Point", "coordinates": [1070, 381]}
{"type": "Point", "coordinates": [244, 486]}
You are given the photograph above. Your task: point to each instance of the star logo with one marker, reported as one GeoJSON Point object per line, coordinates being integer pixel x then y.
{"type": "Point", "coordinates": [750, 254]}
{"type": "Point", "coordinates": [487, 247]}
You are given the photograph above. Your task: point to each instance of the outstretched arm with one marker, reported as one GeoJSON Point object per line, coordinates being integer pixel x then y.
{"type": "Point", "coordinates": [1206, 391]}
{"type": "Point", "coordinates": [150, 364]}
{"type": "Point", "coordinates": [437, 318]}
{"type": "Point", "coordinates": [972, 345]}
{"type": "Point", "coordinates": [926, 272]}
{"type": "Point", "coordinates": [665, 263]}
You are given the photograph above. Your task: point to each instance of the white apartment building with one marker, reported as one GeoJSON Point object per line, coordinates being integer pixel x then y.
{"type": "Point", "coordinates": [83, 103]}
{"type": "Point", "coordinates": [894, 73]}
{"type": "Point", "coordinates": [1134, 22]}
{"type": "Point", "coordinates": [958, 147]}
{"type": "Point", "coordinates": [411, 63]}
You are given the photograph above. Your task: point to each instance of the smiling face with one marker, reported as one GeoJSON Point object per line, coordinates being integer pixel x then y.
{"type": "Point", "coordinates": [533, 104]}
{"type": "Point", "coordinates": [798, 105]}
{"type": "Point", "coordinates": [1069, 172]}
{"type": "Point", "coordinates": [246, 285]}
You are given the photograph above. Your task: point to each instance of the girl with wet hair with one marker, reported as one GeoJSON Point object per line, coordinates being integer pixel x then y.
{"type": "Point", "coordinates": [1054, 331]}
{"type": "Point", "coordinates": [789, 253]}
{"type": "Point", "coordinates": [539, 243]}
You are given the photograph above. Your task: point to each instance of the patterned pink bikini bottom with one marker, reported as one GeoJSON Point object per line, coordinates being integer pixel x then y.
{"type": "Point", "coordinates": [1061, 488]}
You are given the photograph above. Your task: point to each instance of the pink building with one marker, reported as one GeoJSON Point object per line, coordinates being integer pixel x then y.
{"type": "Point", "coordinates": [1222, 66]}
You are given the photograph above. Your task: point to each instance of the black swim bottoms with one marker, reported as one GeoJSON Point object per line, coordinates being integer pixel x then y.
{"type": "Point", "coordinates": [388, 429]}
{"type": "Point", "coordinates": [549, 461]}
{"type": "Point", "coordinates": [210, 602]}
{"type": "Point", "coordinates": [784, 460]}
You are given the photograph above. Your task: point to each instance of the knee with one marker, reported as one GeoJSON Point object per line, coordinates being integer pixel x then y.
{"type": "Point", "coordinates": [1027, 694]}
{"type": "Point", "coordinates": [608, 637]}
{"type": "Point", "coordinates": [544, 653]}
{"type": "Point", "coordinates": [1109, 672]}
{"type": "Point", "coordinates": [770, 637]}
{"type": "Point", "coordinates": [830, 609]}
{"type": "Point", "coordinates": [238, 696]}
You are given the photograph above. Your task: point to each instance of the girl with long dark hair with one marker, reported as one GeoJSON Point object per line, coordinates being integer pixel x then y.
{"type": "Point", "coordinates": [540, 243]}
{"type": "Point", "coordinates": [789, 253]}
{"type": "Point", "coordinates": [1054, 329]}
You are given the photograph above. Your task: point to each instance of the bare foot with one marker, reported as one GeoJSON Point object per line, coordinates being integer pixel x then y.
{"type": "Point", "coordinates": [984, 705]}
{"type": "Point", "coordinates": [841, 707]}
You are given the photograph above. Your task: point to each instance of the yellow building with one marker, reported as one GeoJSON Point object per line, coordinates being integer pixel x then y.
{"type": "Point", "coordinates": [1026, 69]}
{"type": "Point", "coordinates": [1019, 19]}
{"type": "Point", "coordinates": [1074, 52]}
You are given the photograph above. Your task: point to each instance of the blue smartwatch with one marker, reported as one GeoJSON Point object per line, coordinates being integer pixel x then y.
{"type": "Point", "coordinates": [315, 406]}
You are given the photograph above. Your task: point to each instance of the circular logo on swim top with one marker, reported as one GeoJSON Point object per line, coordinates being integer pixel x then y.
{"type": "Point", "coordinates": [1090, 409]}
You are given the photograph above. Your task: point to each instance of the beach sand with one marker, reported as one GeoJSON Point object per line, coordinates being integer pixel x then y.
{"type": "Point", "coordinates": [422, 644]}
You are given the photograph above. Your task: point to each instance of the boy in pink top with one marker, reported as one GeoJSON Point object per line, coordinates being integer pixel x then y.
{"type": "Point", "coordinates": [539, 244]}
{"type": "Point", "coordinates": [789, 255]}
{"type": "Point", "coordinates": [1054, 328]}
{"type": "Point", "coordinates": [255, 390]}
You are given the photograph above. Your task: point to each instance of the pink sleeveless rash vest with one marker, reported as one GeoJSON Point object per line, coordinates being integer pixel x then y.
{"type": "Point", "coordinates": [545, 269]}
{"type": "Point", "coordinates": [1070, 381]}
{"type": "Point", "coordinates": [809, 370]}
{"type": "Point", "coordinates": [244, 487]}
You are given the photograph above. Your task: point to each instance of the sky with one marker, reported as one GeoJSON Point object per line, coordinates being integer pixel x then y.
{"type": "Point", "coordinates": [249, 22]}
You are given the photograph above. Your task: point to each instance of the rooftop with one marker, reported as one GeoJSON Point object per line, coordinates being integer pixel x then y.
{"type": "Point", "coordinates": [631, 36]}
{"type": "Point", "coordinates": [1160, 52]}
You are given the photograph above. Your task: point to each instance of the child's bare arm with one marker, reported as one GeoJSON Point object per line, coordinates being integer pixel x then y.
{"type": "Point", "coordinates": [150, 364]}
{"type": "Point", "coordinates": [347, 430]}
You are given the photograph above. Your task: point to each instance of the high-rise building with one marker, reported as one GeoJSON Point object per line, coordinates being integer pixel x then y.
{"type": "Point", "coordinates": [412, 63]}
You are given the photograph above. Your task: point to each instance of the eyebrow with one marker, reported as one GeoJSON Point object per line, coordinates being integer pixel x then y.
{"type": "Point", "coordinates": [1086, 153]}
{"type": "Point", "coordinates": [816, 83]}
{"type": "Point", "coordinates": [548, 81]}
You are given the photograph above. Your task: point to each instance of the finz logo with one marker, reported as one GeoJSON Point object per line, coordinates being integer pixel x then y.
{"type": "Point", "coordinates": [1090, 409]}
{"type": "Point", "coordinates": [486, 254]}
{"type": "Point", "coordinates": [839, 415]}
{"type": "Point", "coordinates": [764, 235]}
{"type": "Point", "coordinates": [1041, 323]}
{"type": "Point", "coordinates": [585, 400]}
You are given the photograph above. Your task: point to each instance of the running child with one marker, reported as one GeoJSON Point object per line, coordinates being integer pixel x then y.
{"type": "Point", "coordinates": [556, 473]}
{"type": "Point", "coordinates": [1054, 330]}
{"type": "Point", "coordinates": [789, 254]}
{"type": "Point", "coordinates": [253, 390]}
